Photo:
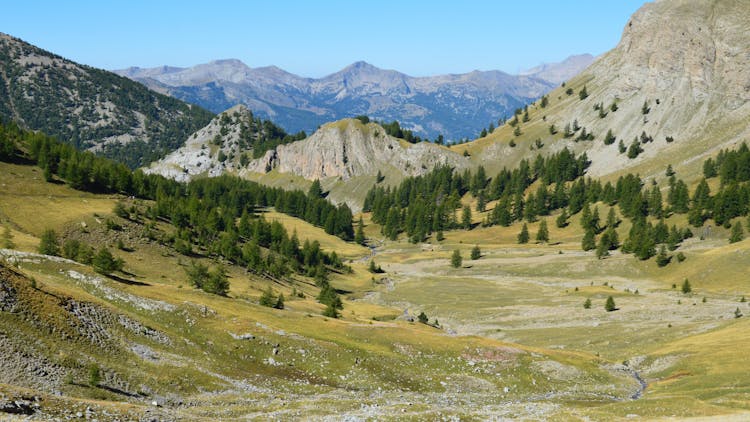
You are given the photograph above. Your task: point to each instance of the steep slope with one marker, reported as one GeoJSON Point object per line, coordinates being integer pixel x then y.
{"type": "Point", "coordinates": [90, 108]}
{"type": "Point", "coordinates": [678, 80]}
{"type": "Point", "coordinates": [456, 106]}
{"type": "Point", "coordinates": [226, 144]}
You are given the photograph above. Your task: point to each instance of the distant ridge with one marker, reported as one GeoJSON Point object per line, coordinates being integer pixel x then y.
{"type": "Point", "coordinates": [456, 105]}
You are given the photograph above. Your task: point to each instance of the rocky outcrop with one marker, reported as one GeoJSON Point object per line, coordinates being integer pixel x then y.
{"type": "Point", "coordinates": [348, 148]}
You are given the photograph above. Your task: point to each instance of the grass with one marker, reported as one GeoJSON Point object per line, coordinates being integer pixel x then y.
{"type": "Point", "coordinates": [516, 312]}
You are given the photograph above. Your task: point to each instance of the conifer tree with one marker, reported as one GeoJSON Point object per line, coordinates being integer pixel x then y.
{"type": "Point", "coordinates": [466, 218]}
{"type": "Point", "coordinates": [737, 233]}
{"type": "Point", "coordinates": [610, 306]}
{"type": "Point", "coordinates": [476, 253]}
{"type": "Point", "coordinates": [589, 240]}
{"type": "Point", "coordinates": [456, 259]}
{"type": "Point", "coordinates": [542, 236]}
{"type": "Point", "coordinates": [48, 244]}
{"type": "Point", "coordinates": [562, 219]}
{"type": "Point", "coordinates": [359, 236]}
{"type": "Point", "coordinates": [587, 304]}
{"type": "Point", "coordinates": [523, 237]}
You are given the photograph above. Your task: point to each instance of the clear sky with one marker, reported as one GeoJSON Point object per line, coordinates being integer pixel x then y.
{"type": "Point", "coordinates": [315, 38]}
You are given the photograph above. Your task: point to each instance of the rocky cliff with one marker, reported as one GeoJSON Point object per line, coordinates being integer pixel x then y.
{"type": "Point", "coordinates": [348, 148]}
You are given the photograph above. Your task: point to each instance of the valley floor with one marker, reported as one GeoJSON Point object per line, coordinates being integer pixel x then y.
{"type": "Point", "coordinates": [508, 336]}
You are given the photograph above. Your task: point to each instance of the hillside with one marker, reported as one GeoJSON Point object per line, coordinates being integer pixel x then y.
{"type": "Point", "coordinates": [143, 343]}
{"type": "Point", "coordinates": [90, 108]}
{"type": "Point", "coordinates": [676, 82]}
{"type": "Point", "coordinates": [346, 156]}
{"type": "Point", "coordinates": [456, 106]}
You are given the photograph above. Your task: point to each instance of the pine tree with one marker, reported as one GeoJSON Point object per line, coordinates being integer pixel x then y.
{"type": "Point", "coordinates": [476, 253]}
{"type": "Point", "coordinates": [267, 298]}
{"type": "Point", "coordinates": [662, 259]}
{"type": "Point", "coordinates": [315, 191]}
{"type": "Point", "coordinates": [523, 237]}
{"type": "Point", "coordinates": [359, 236]}
{"type": "Point", "coordinates": [562, 219]}
{"type": "Point", "coordinates": [610, 306]}
{"type": "Point", "coordinates": [737, 233]}
{"type": "Point", "coordinates": [466, 218]}
{"type": "Point", "coordinates": [456, 259]}
{"type": "Point", "coordinates": [589, 240]}
{"type": "Point", "coordinates": [686, 288]}
{"type": "Point", "coordinates": [280, 302]}
{"type": "Point", "coordinates": [587, 304]}
{"type": "Point", "coordinates": [48, 244]}
{"type": "Point", "coordinates": [104, 262]}
{"type": "Point", "coordinates": [583, 93]}
{"type": "Point", "coordinates": [542, 236]}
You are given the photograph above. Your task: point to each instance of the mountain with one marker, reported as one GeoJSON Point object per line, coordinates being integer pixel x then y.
{"type": "Point", "coordinates": [342, 154]}
{"type": "Point", "coordinates": [456, 106]}
{"type": "Point", "coordinates": [676, 83]}
{"type": "Point", "coordinates": [558, 73]}
{"type": "Point", "coordinates": [90, 108]}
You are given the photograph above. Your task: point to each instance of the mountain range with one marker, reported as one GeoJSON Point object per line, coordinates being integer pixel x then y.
{"type": "Point", "coordinates": [456, 105]}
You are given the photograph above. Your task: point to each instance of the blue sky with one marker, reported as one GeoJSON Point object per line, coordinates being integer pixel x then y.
{"type": "Point", "coordinates": [315, 38]}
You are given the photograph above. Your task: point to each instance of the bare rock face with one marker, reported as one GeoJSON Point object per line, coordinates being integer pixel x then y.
{"type": "Point", "coordinates": [202, 151]}
{"type": "Point", "coordinates": [348, 148]}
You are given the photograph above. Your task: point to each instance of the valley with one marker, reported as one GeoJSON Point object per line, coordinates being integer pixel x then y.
{"type": "Point", "coordinates": [584, 259]}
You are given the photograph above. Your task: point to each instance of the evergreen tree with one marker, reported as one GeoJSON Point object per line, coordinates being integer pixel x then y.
{"type": "Point", "coordinates": [422, 317]}
{"type": "Point", "coordinates": [267, 298]}
{"type": "Point", "coordinates": [610, 306]}
{"type": "Point", "coordinates": [589, 240]}
{"type": "Point", "coordinates": [662, 259]}
{"type": "Point", "coordinates": [331, 311]}
{"type": "Point", "coordinates": [609, 138]}
{"type": "Point", "coordinates": [587, 304]}
{"type": "Point", "coordinates": [523, 237]}
{"type": "Point", "coordinates": [105, 263]}
{"type": "Point", "coordinates": [466, 218]}
{"type": "Point", "coordinates": [686, 288]}
{"type": "Point", "coordinates": [583, 93]}
{"type": "Point", "coordinates": [562, 219]}
{"type": "Point", "coordinates": [612, 220]}
{"type": "Point", "coordinates": [737, 233]}
{"type": "Point", "coordinates": [315, 191]}
{"type": "Point", "coordinates": [280, 302]}
{"type": "Point", "coordinates": [456, 259]}
{"type": "Point", "coordinates": [359, 236]}
{"type": "Point", "coordinates": [476, 253]}
{"type": "Point", "coordinates": [542, 236]}
{"type": "Point", "coordinates": [602, 249]}
{"type": "Point", "coordinates": [621, 147]}
{"type": "Point", "coordinates": [48, 244]}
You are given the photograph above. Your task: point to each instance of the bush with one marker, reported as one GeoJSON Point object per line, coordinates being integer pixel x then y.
{"type": "Point", "coordinates": [587, 304]}
{"type": "Point", "coordinates": [686, 288]}
{"type": "Point", "coordinates": [422, 317]}
{"type": "Point", "coordinates": [95, 375]}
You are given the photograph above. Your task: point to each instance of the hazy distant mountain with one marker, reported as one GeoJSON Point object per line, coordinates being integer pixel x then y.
{"type": "Point", "coordinates": [456, 106]}
{"type": "Point", "coordinates": [558, 73]}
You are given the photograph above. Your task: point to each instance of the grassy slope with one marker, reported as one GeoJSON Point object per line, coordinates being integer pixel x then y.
{"type": "Point", "coordinates": [325, 365]}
